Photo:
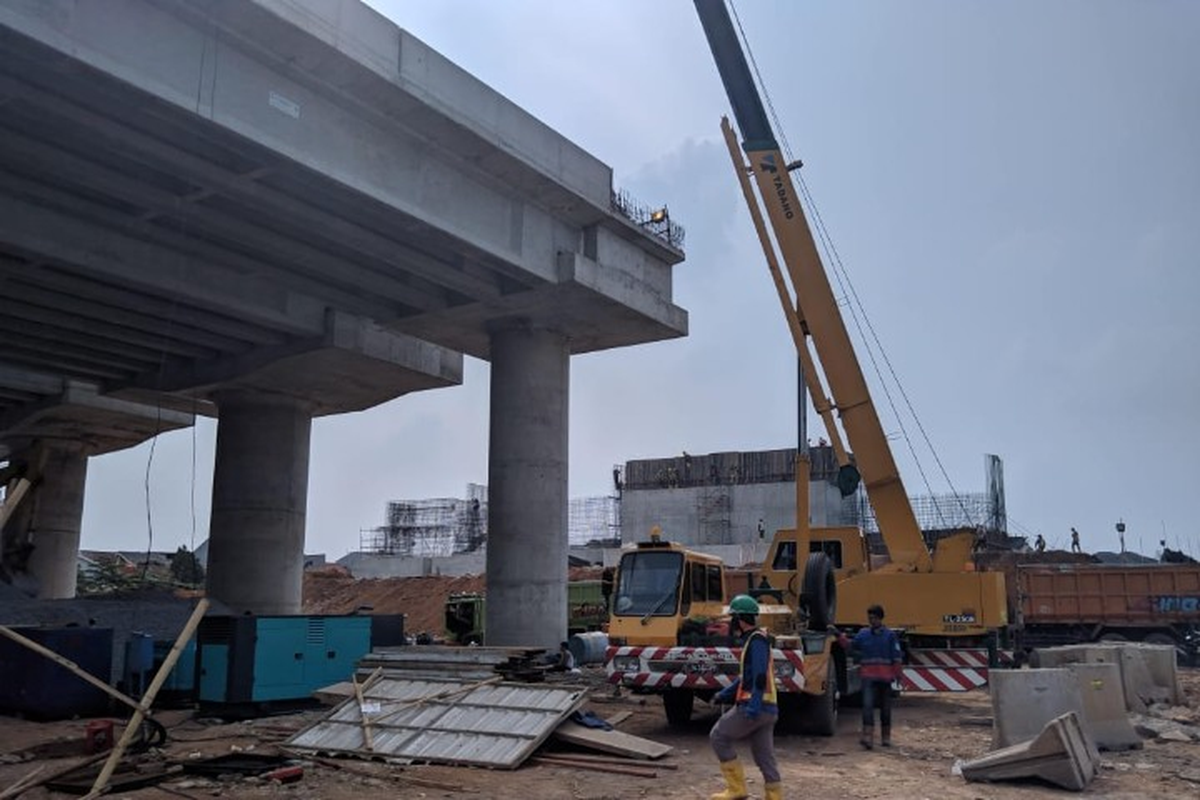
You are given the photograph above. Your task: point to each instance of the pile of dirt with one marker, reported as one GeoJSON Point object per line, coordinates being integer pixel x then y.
{"type": "Point", "coordinates": [335, 591]}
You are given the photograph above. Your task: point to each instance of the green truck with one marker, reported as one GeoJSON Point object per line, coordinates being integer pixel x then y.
{"type": "Point", "coordinates": [466, 611]}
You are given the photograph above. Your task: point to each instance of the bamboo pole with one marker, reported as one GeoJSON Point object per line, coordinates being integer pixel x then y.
{"type": "Point", "coordinates": [12, 499]}
{"type": "Point", "coordinates": [68, 664]}
{"type": "Point", "coordinates": [31, 782]}
{"type": "Point", "coordinates": [359, 689]}
{"type": "Point", "coordinates": [135, 722]}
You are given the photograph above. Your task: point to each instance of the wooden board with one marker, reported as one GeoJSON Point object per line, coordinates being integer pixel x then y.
{"type": "Point", "coordinates": [622, 744]}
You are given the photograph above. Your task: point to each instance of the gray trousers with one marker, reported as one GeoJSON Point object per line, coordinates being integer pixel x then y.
{"type": "Point", "coordinates": [733, 726]}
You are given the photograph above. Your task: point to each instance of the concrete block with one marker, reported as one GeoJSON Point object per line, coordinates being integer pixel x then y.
{"type": "Point", "coordinates": [1148, 672]}
{"type": "Point", "coordinates": [1023, 701]}
{"type": "Point", "coordinates": [1162, 665]}
{"type": "Point", "coordinates": [1061, 754]}
{"type": "Point", "coordinates": [1104, 714]}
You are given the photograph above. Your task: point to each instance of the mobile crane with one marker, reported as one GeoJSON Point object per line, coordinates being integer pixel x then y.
{"type": "Point", "coordinates": [931, 594]}
{"type": "Point", "coordinates": [662, 629]}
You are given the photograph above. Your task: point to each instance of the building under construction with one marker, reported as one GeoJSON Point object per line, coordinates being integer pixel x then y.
{"type": "Point", "coordinates": [445, 526]}
{"type": "Point", "coordinates": [741, 497]}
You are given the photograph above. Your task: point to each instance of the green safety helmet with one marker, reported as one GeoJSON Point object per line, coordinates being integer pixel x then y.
{"type": "Point", "coordinates": [743, 604]}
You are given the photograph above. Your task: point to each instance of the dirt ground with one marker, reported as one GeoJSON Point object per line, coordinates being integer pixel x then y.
{"type": "Point", "coordinates": [931, 733]}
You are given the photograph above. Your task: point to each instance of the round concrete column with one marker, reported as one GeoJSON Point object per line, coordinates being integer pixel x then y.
{"type": "Point", "coordinates": [49, 519]}
{"type": "Point", "coordinates": [260, 494]}
{"type": "Point", "coordinates": [527, 489]}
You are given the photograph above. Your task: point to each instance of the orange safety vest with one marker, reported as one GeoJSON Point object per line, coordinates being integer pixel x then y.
{"type": "Point", "coordinates": [744, 693]}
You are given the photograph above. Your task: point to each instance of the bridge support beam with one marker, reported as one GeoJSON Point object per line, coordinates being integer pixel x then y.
{"type": "Point", "coordinates": [260, 493]}
{"type": "Point", "coordinates": [41, 538]}
{"type": "Point", "coordinates": [527, 488]}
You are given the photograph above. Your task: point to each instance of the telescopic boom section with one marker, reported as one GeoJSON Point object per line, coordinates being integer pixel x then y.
{"type": "Point", "coordinates": [821, 315]}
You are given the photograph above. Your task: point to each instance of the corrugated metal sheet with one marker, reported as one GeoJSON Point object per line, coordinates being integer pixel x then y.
{"type": "Point", "coordinates": [444, 721]}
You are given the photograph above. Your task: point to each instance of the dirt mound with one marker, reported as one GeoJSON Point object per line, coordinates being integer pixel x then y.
{"type": "Point", "coordinates": [422, 599]}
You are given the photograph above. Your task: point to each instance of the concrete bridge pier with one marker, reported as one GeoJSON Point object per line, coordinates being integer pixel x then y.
{"type": "Point", "coordinates": [41, 539]}
{"type": "Point", "coordinates": [260, 494]}
{"type": "Point", "coordinates": [527, 487]}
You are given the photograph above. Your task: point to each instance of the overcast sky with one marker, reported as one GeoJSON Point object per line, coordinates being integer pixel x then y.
{"type": "Point", "coordinates": [1014, 189]}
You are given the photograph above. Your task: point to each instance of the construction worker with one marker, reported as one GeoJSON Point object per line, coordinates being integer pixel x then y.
{"type": "Point", "coordinates": [877, 649]}
{"type": "Point", "coordinates": [1039, 544]}
{"type": "Point", "coordinates": [754, 712]}
{"type": "Point", "coordinates": [1075, 541]}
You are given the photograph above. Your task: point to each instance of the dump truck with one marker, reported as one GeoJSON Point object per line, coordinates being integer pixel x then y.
{"type": "Point", "coordinates": [1073, 603]}
{"type": "Point", "coordinates": [465, 612]}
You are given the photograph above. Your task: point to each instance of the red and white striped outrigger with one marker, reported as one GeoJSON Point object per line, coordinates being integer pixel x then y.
{"type": "Point", "coordinates": [658, 668]}
{"type": "Point", "coordinates": [947, 670]}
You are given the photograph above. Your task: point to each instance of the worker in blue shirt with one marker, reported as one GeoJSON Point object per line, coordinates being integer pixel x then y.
{"type": "Point", "coordinates": [876, 648]}
{"type": "Point", "coordinates": [755, 709]}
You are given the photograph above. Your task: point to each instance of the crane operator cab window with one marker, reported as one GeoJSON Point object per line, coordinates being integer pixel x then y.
{"type": "Point", "coordinates": [785, 557]}
{"type": "Point", "coordinates": [648, 584]}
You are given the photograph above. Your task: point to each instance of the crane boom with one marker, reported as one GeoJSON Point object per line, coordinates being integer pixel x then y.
{"type": "Point", "coordinates": [815, 304]}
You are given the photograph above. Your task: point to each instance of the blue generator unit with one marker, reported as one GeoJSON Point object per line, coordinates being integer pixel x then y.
{"type": "Point", "coordinates": [250, 665]}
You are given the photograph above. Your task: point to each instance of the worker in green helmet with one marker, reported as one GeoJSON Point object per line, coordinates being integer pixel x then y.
{"type": "Point", "coordinates": [755, 709]}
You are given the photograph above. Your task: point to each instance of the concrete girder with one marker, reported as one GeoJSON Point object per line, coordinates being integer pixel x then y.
{"type": "Point", "coordinates": [235, 228]}
{"type": "Point", "coordinates": [97, 303]}
{"type": "Point", "coordinates": [354, 361]}
{"type": "Point", "coordinates": [96, 422]}
{"type": "Point", "coordinates": [178, 275]}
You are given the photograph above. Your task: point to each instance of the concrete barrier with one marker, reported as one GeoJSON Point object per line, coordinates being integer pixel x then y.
{"type": "Point", "coordinates": [1024, 700]}
{"type": "Point", "coordinates": [1061, 754]}
{"type": "Point", "coordinates": [1148, 672]}
{"type": "Point", "coordinates": [1104, 714]}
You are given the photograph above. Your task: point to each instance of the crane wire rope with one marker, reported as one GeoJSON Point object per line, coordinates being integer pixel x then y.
{"type": "Point", "coordinates": [851, 295]}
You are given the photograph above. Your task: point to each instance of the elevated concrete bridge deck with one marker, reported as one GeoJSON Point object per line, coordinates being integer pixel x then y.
{"type": "Point", "coordinates": [208, 206]}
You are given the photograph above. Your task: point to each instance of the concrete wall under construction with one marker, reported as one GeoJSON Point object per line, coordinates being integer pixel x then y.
{"type": "Point", "coordinates": [726, 515]}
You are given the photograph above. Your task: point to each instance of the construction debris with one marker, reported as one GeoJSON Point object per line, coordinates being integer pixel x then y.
{"type": "Point", "coordinates": [486, 723]}
{"type": "Point", "coordinates": [1061, 754]}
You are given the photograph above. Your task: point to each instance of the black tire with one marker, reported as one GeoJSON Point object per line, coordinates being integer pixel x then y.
{"type": "Point", "coordinates": [678, 704]}
{"type": "Point", "coordinates": [1160, 638]}
{"type": "Point", "coordinates": [818, 595]}
{"type": "Point", "coordinates": [1114, 637]}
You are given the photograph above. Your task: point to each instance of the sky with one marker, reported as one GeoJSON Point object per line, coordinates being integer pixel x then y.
{"type": "Point", "coordinates": [1012, 188]}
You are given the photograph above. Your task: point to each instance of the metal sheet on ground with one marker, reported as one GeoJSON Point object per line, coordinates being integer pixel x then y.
{"type": "Point", "coordinates": [482, 723]}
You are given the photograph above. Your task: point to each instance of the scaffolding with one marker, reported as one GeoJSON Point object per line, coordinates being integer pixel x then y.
{"type": "Point", "coordinates": [595, 521]}
{"type": "Point", "coordinates": [445, 526]}
{"type": "Point", "coordinates": [432, 527]}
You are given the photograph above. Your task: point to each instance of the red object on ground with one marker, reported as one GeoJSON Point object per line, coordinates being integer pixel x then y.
{"type": "Point", "coordinates": [285, 774]}
{"type": "Point", "coordinates": [99, 736]}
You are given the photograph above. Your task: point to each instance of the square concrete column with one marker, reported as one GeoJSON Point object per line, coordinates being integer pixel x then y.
{"type": "Point", "coordinates": [41, 539]}
{"type": "Point", "coordinates": [260, 497]}
{"type": "Point", "coordinates": [527, 488]}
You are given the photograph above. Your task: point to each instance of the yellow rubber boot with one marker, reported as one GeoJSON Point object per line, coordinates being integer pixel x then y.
{"type": "Point", "coordinates": [773, 791]}
{"type": "Point", "coordinates": [735, 781]}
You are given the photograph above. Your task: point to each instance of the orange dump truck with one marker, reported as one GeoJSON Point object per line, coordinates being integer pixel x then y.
{"type": "Point", "coordinates": [1056, 604]}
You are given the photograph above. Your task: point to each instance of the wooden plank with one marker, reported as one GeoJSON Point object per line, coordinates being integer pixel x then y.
{"type": "Point", "coordinates": [622, 744]}
{"type": "Point", "coordinates": [631, 769]}
{"type": "Point", "coordinates": [619, 717]}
